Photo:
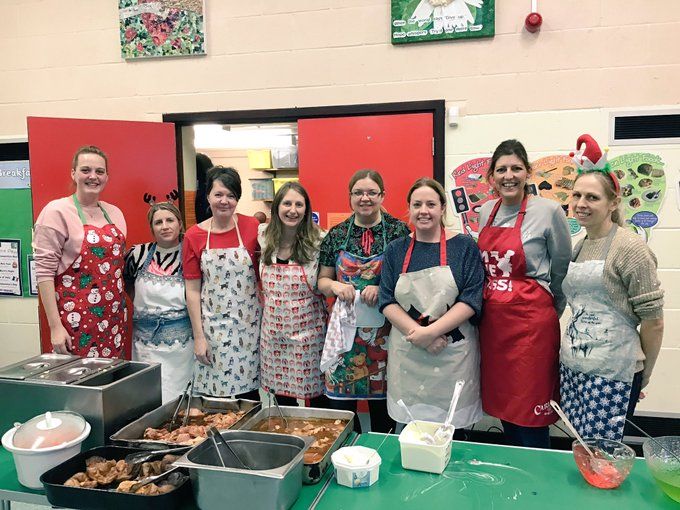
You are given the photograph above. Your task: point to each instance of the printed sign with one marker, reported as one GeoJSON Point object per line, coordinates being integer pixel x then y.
{"type": "Point", "coordinates": [15, 175]}
{"type": "Point", "coordinates": [10, 267]}
{"type": "Point", "coordinates": [471, 176]}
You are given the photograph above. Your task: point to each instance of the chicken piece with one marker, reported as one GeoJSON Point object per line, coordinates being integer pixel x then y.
{"type": "Point", "coordinates": [80, 480]}
{"type": "Point", "coordinates": [151, 468]}
{"type": "Point", "coordinates": [125, 486]}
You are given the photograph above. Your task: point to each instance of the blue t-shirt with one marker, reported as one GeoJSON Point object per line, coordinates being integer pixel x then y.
{"type": "Point", "coordinates": [462, 256]}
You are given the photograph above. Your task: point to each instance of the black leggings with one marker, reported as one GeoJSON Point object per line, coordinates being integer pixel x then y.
{"type": "Point", "coordinates": [380, 420]}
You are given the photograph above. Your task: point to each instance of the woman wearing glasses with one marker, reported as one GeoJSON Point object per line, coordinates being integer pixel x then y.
{"type": "Point", "coordinates": [350, 262]}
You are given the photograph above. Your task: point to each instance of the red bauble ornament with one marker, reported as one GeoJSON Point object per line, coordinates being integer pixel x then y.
{"type": "Point", "coordinates": [533, 22]}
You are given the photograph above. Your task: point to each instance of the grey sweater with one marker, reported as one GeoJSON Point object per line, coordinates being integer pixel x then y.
{"type": "Point", "coordinates": [546, 240]}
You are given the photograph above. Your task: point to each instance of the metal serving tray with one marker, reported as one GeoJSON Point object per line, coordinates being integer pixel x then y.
{"type": "Point", "coordinates": [93, 499]}
{"type": "Point", "coordinates": [133, 434]}
{"type": "Point", "coordinates": [35, 365]}
{"type": "Point", "coordinates": [78, 371]}
{"type": "Point", "coordinates": [311, 473]}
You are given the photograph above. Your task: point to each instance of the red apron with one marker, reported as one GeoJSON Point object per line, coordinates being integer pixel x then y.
{"type": "Point", "coordinates": [90, 296]}
{"type": "Point", "coordinates": [519, 332]}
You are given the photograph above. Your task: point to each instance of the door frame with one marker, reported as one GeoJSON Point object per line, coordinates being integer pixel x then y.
{"type": "Point", "coordinates": [436, 107]}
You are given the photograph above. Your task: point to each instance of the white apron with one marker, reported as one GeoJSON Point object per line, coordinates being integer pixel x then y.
{"type": "Point", "coordinates": [293, 331]}
{"type": "Point", "coordinates": [598, 353]}
{"type": "Point", "coordinates": [161, 327]}
{"type": "Point", "coordinates": [426, 381]}
{"type": "Point", "coordinates": [231, 321]}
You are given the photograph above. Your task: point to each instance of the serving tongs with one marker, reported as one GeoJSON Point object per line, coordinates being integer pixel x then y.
{"type": "Point", "coordinates": [272, 395]}
{"type": "Point", "coordinates": [186, 394]}
{"type": "Point", "coordinates": [219, 442]}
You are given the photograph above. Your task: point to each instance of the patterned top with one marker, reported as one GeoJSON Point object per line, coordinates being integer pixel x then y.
{"type": "Point", "coordinates": [387, 230]}
{"type": "Point", "coordinates": [167, 259]}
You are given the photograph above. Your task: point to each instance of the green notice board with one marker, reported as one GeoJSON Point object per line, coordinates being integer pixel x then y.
{"type": "Point", "coordinates": [16, 222]}
{"type": "Point", "coordinates": [434, 20]}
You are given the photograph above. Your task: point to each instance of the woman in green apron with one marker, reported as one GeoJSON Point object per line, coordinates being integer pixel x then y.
{"type": "Point", "coordinates": [350, 263]}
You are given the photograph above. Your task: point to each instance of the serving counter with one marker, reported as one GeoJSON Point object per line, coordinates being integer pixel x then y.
{"type": "Point", "coordinates": [479, 476]}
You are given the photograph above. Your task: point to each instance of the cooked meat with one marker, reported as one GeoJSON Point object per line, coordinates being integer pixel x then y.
{"type": "Point", "coordinates": [196, 430]}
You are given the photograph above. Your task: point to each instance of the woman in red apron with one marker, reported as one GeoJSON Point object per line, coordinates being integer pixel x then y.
{"type": "Point", "coordinates": [79, 244]}
{"type": "Point", "coordinates": [294, 312]}
{"type": "Point", "coordinates": [526, 247]}
{"type": "Point", "coordinates": [351, 262]}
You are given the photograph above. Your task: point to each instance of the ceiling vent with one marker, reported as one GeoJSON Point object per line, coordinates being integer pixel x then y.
{"type": "Point", "coordinates": [644, 127]}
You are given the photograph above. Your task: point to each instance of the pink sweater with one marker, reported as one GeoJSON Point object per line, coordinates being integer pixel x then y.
{"type": "Point", "coordinates": [58, 236]}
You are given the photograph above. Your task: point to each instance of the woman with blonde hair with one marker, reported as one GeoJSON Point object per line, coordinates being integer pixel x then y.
{"type": "Point", "coordinates": [161, 327]}
{"type": "Point", "coordinates": [431, 292]}
{"type": "Point", "coordinates": [612, 289]}
{"type": "Point", "coordinates": [294, 312]}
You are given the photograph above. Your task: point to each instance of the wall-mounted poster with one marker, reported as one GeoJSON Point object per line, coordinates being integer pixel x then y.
{"type": "Point", "coordinates": [10, 267]}
{"type": "Point", "coordinates": [32, 279]}
{"type": "Point", "coordinates": [435, 20]}
{"type": "Point", "coordinates": [161, 28]}
{"type": "Point", "coordinates": [471, 175]}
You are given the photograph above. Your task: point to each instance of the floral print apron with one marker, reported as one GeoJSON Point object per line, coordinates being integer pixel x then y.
{"type": "Point", "coordinates": [362, 372]}
{"type": "Point", "coordinates": [230, 310]}
{"type": "Point", "coordinates": [90, 297]}
{"type": "Point", "coordinates": [293, 331]}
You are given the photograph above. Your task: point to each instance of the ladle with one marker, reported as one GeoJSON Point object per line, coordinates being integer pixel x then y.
{"type": "Point", "coordinates": [442, 433]}
{"type": "Point", "coordinates": [566, 421]}
{"type": "Point", "coordinates": [273, 395]}
{"type": "Point", "coordinates": [424, 436]}
{"type": "Point", "coordinates": [660, 445]}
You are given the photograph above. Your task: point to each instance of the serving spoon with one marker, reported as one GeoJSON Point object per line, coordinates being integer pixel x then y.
{"type": "Point", "coordinates": [424, 436]}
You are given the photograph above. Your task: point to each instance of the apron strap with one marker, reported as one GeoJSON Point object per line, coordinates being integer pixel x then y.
{"type": "Point", "coordinates": [351, 226]}
{"type": "Point", "coordinates": [82, 216]}
{"type": "Point", "coordinates": [518, 221]}
{"type": "Point", "coordinates": [605, 248]}
{"type": "Point", "coordinates": [442, 250]}
{"type": "Point", "coordinates": [238, 233]}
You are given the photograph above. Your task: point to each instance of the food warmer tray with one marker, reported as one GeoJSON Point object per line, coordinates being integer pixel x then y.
{"type": "Point", "coordinates": [311, 473]}
{"type": "Point", "coordinates": [35, 365]}
{"type": "Point", "coordinates": [94, 499]}
{"type": "Point", "coordinates": [133, 434]}
{"type": "Point", "coordinates": [78, 371]}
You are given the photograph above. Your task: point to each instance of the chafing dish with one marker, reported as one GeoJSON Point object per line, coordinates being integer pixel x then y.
{"type": "Point", "coordinates": [313, 472]}
{"type": "Point", "coordinates": [107, 395]}
{"type": "Point", "coordinates": [273, 481]}
{"type": "Point", "coordinates": [133, 434]}
{"type": "Point", "coordinates": [35, 365]}
{"type": "Point", "coordinates": [79, 370]}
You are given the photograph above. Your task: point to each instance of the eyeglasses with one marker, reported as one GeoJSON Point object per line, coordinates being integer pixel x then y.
{"type": "Point", "coordinates": [357, 193]}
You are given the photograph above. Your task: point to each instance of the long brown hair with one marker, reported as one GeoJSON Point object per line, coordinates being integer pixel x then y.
{"type": "Point", "coordinates": [308, 234]}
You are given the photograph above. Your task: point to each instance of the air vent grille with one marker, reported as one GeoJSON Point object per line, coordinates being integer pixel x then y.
{"type": "Point", "coordinates": [661, 128]}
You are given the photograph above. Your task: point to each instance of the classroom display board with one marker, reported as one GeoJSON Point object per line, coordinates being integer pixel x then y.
{"type": "Point", "coordinates": [435, 20]}
{"type": "Point", "coordinates": [641, 175]}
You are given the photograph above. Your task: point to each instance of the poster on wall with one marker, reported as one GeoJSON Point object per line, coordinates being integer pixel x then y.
{"type": "Point", "coordinates": [161, 28]}
{"type": "Point", "coordinates": [436, 20]}
{"type": "Point", "coordinates": [10, 267]}
{"type": "Point", "coordinates": [471, 175]}
{"type": "Point", "coordinates": [32, 279]}
{"type": "Point", "coordinates": [15, 175]}
{"type": "Point", "coordinates": [643, 186]}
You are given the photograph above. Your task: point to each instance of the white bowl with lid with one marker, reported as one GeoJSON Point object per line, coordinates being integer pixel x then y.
{"type": "Point", "coordinates": [44, 442]}
{"type": "Point", "coordinates": [356, 466]}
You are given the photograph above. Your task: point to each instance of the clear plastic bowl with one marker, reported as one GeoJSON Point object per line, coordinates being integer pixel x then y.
{"type": "Point", "coordinates": [664, 467]}
{"type": "Point", "coordinates": [611, 465]}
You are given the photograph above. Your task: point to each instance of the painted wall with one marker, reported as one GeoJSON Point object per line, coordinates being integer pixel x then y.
{"type": "Point", "coordinates": [61, 58]}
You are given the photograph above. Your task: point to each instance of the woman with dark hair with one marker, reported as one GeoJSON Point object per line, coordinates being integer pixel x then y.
{"type": "Point", "coordinates": [201, 208]}
{"type": "Point", "coordinates": [294, 313]}
{"type": "Point", "coordinates": [525, 245]}
{"type": "Point", "coordinates": [219, 260]}
{"type": "Point", "coordinates": [161, 327]}
{"type": "Point", "coordinates": [79, 244]}
{"type": "Point", "coordinates": [431, 292]}
{"type": "Point", "coordinates": [351, 262]}
{"type": "Point", "coordinates": [612, 288]}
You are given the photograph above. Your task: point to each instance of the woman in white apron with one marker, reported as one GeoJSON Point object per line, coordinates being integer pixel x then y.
{"type": "Point", "coordinates": [219, 263]}
{"type": "Point", "coordinates": [611, 288]}
{"type": "Point", "coordinates": [431, 292]}
{"type": "Point", "coordinates": [294, 312]}
{"type": "Point", "coordinates": [161, 327]}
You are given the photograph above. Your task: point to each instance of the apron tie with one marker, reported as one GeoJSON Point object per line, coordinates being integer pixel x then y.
{"type": "Point", "coordinates": [367, 239]}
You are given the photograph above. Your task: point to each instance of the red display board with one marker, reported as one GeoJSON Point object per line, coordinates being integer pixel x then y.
{"type": "Point", "coordinates": [141, 159]}
{"type": "Point", "coordinates": [332, 149]}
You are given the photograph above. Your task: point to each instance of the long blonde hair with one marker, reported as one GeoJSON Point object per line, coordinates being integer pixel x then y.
{"type": "Point", "coordinates": [609, 190]}
{"type": "Point", "coordinates": [308, 234]}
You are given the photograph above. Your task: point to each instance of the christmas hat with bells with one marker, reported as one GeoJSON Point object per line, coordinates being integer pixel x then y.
{"type": "Point", "coordinates": [589, 158]}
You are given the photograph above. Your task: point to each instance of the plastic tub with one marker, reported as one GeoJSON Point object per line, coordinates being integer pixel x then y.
{"type": "Point", "coordinates": [280, 181]}
{"type": "Point", "coordinates": [356, 466]}
{"type": "Point", "coordinates": [420, 456]}
{"type": "Point", "coordinates": [30, 464]}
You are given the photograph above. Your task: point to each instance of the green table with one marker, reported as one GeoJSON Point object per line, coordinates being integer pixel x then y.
{"type": "Point", "coordinates": [482, 476]}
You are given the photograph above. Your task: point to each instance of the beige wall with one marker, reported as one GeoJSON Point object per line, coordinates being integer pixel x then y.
{"type": "Point", "coordinates": [61, 58]}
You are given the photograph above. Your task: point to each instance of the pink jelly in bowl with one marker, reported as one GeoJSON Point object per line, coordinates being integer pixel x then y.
{"type": "Point", "coordinates": [610, 466]}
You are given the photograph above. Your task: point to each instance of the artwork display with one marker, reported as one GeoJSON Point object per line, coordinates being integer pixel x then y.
{"type": "Point", "coordinates": [161, 28]}
{"type": "Point", "coordinates": [433, 20]}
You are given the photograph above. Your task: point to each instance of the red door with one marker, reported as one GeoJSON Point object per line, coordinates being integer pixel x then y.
{"type": "Point", "coordinates": [141, 159]}
{"type": "Point", "coordinates": [332, 149]}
